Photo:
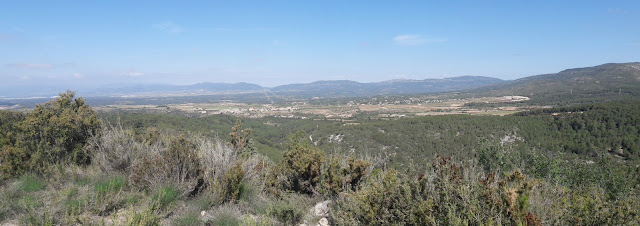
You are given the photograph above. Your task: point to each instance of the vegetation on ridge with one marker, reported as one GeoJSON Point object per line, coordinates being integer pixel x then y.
{"type": "Point", "coordinates": [61, 165]}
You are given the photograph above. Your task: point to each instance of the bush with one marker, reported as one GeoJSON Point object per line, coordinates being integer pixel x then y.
{"type": "Point", "coordinates": [53, 133]}
{"type": "Point", "coordinates": [178, 165]}
{"type": "Point", "coordinates": [308, 170]}
{"type": "Point", "coordinates": [447, 194]}
{"type": "Point", "coordinates": [57, 131]}
{"type": "Point", "coordinates": [285, 212]}
{"type": "Point", "coordinates": [13, 161]}
{"type": "Point", "coordinates": [225, 171]}
{"type": "Point", "coordinates": [115, 149]}
{"type": "Point", "coordinates": [229, 187]}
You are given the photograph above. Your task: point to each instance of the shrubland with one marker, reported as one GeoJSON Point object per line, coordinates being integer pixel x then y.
{"type": "Point", "coordinates": [60, 164]}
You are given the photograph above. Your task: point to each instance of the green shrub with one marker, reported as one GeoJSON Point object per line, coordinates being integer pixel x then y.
{"type": "Point", "coordinates": [58, 130]}
{"type": "Point", "coordinates": [230, 187]}
{"type": "Point", "coordinates": [308, 170]}
{"type": "Point", "coordinates": [239, 138]}
{"type": "Point", "coordinates": [285, 212]}
{"type": "Point", "coordinates": [13, 161]}
{"type": "Point", "coordinates": [302, 165]}
{"type": "Point", "coordinates": [447, 194]}
{"type": "Point", "coordinates": [385, 199]}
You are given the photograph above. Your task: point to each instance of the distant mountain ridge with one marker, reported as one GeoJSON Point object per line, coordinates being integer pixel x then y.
{"type": "Point", "coordinates": [588, 82]}
{"type": "Point", "coordinates": [347, 88]}
{"type": "Point", "coordinates": [600, 81]}
{"type": "Point", "coordinates": [323, 88]}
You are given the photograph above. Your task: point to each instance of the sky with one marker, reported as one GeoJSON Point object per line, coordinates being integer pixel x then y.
{"type": "Point", "coordinates": [101, 43]}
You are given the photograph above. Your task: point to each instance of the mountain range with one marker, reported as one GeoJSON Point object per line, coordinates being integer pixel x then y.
{"type": "Point", "coordinates": [620, 78]}
{"type": "Point", "coordinates": [334, 88]}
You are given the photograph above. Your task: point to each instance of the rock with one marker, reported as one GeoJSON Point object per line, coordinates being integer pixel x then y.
{"type": "Point", "coordinates": [322, 209]}
{"type": "Point", "coordinates": [323, 222]}
{"type": "Point", "coordinates": [203, 213]}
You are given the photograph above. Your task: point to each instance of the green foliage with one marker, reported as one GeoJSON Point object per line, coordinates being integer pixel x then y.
{"type": "Point", "coordinates": [338, 176]}
{"type": "Point", "coordinates": [37, 219]}
{"type": "Point", "coordinates": [301, 165]}
{"type": "Point", "coordinates": [53, 133]}
{"type": "Point", "coordinates": [448, 194]}
{"type": "Point", "coordinates": [285, 212]}
{"type": "Point", "coordinates": [308, 170]}
{"type": "Point", "coordinates": [111, 185]}
{"type": "Point", "coordinates": [573, 177]}
{"type": "Point", "coordinates": [230, 186]}
{"type": "Point", "coordinates": [9, 126]}
{"type": "Point", "coordinates": [13, 160]}
{"type": "Point", "coordinates": [164, 196]}
{"type": "Point", "coordinates": [239, 137]}
{"type": "Point", "coordinates": [31, 183]}
{"type": "Point", "coordinates": [64, 123]}
{"type": "Point", "coordinates": [142, 218]}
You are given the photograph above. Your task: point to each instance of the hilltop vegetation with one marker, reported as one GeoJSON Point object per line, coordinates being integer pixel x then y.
{"type": "Point", "coordinates": [572, 165]}
{"type": "Point", "coordinates": [591, 84]}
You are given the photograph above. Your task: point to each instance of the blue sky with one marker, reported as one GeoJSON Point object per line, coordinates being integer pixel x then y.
{"type": "Point", "coordinates": [94, 43]}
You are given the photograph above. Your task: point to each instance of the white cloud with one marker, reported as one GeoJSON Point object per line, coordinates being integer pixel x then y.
{"type": "Point", "coordinates": [168, 27]}
{"type": "Point", "coordinates": [78, 75]}
{"type": "Point", "coordinates": [24, 77]}
{"type": "Point", "coordinates": [132, 74]}
{"type": "Point", "coordinates": [412, 40]}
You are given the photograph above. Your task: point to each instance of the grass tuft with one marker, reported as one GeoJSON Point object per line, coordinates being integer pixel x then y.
{"type": "Point", "coordinates": [31, 183]}
{"type": "Point", "coordinates": [188, 219]}
{"type": "Point", "coordinates": [165, 196]}
{"type": "Point", "coordinates": [114, 184]}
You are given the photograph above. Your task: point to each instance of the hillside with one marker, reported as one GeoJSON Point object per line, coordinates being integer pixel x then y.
{"type": "Point", "coordinates": [63, 164]}
{"type": "Point", "coordinates": [346, 88]}
{"type": "Point", "coordinates": [607, 81]}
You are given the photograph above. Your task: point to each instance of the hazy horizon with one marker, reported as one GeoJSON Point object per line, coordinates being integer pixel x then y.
{"type": "Point", "coordinates": [271, 43]}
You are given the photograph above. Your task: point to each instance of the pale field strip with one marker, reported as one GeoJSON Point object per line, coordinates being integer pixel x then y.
{"type": "Point", "coordinates": [392, 110]}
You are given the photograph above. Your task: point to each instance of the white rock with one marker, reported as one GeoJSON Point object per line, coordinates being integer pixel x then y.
{"type": "Point", "coordinates": [322, 209]}
{"type": "Point", "coordinates": [323, 222]}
